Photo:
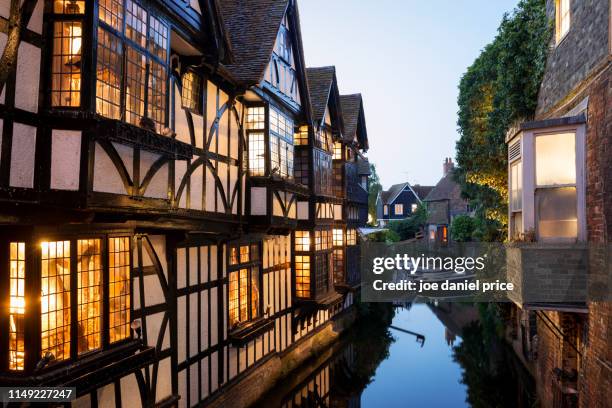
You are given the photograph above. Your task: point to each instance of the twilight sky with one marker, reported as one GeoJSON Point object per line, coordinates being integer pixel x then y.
{"type": "Point", "coordinates": [405, 58]}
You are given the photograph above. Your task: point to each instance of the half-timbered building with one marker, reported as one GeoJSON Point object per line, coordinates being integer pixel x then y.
{"type": "Point", "coordinates": [150, 192]}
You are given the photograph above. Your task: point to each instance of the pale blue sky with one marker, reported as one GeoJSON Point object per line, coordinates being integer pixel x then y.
{"type": "Point", "coordinates": [406, 59]}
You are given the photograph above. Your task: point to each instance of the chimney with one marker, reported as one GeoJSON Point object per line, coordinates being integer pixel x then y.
{"type": "Point", "coordinates": [447, 166]}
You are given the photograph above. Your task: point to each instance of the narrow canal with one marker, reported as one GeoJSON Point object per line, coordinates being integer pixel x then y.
{"type": "Point", "coordinates": [416, 355]}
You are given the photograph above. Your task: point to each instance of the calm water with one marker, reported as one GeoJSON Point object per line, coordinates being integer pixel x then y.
{"type": "Point", "coordinates": [420, 355]}
{"type": "Point", "coordinates": [417, 376]}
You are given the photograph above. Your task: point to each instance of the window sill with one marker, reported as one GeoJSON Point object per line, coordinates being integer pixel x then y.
{"type": "Point", "coordinates": [246, 332]}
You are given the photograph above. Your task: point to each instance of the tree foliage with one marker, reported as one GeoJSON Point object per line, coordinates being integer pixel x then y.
{"type": "Point", "coordinates": [498, 90]}
{"type": "Point", "coordinates": [463, 228]}
{"type": "Point", "coordinates": [374, 188]}
{"type": "Point", "coordinates": [407, 228]}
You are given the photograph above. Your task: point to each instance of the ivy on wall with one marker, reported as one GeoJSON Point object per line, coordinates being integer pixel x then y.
{"type": "Point", "coordinates": [498, 90]}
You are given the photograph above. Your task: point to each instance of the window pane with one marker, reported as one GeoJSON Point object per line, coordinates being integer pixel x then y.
{"type": "Point", "coordinates": [555, 159]}
{"type": "Point", "coordinates": [234, 317]}
{"type": "Point", "coordinates": [157, 95]}
{"type": "Point", "coordinates": [55, 299]}
{"type": "Point", "coordinates": [69, 6]}
{"type": "Point", "coordinates": [302, 276]}
{"type": "Point", "coordinates": [254, 292]}
{"type": "Point", "coordinates": [191, 95]}
{"type": "Point", "coordinates": [243, 290]}
{"type": "Point", "coordinates": [158, 39]}
{"type": "Point", "coordinates": [108, 85]}
{"type": "Point", "coordinates": [66, 64]}
{"type": "Point", "coordinates": [119, 288]}
{"type": "Point", "coordinates": [256, 154]}
{"type": "Point", "coordinates": [17, 306]}
{"type": "Point", "coordinates": [557, 214]}
{"type": "Point", "coordinates": [136, 23]}
{"type": "Point", "coordinates": [516, 183]}
{"type": "Point", "coordinates": [111, 12]}
{"type": "Point", "coordinates": [135, 91]}
{"type": "Point", "coordinates": [89, 294]}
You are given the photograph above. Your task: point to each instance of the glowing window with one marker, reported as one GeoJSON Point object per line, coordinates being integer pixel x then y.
{"type": "Point", "coordinates": [157, 95]}
{"type": "Point", "coordinates": [111, 13]}
{"type": "Point", "coordinates": [136, 23]}
{"type": "Point", "coordinates": [516, 186]}
{"type": "Point", "coordinates": [119, 288]}
{"type": "Point", "coordinates": [351, 236]}
{"type": "Point", "coordinates": [66, 64]}
{"type": "Point", "coordinates": [302, 276]}
{"type": "Point", "coordinates": [256, 118]}
{"type": "Point", "coordinates": [301, 136]}
{"type": "Point", "coordinates": [257, 155]}
{"type": "Point", "coordinates": [191, 94]}
{"type": "Point", "coordinates": [555, 159]}
{"type": "Point", "coordinates": [385, 209]}
{"type": "Point", "coordinates": [17, 306]}
{"type": "Point", "coordinates": [244, 284]}
{"type": "Point", "coordinates": [302, 240]}
{"type": "Point", "coordinates": [69, 6]}
{"type": "Point", "coordinates": [89, 294]}
{"type": "Point", "coordinates": [337, 151]}
{"type": "Point", "coordinates": [108, 84]}
{"type": "Point", "coordinates": [338, 237]}
{"type": "Point", "coordinates": [414, 207]}
{"type": "Point", "coordinates": [55, 299]}
{"type": "Point", "coordinates": [135, 86]}
{"type": "Point", "coordinates": [399, 209]}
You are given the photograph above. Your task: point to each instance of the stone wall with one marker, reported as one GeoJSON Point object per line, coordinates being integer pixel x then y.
{"type": "Point", "coordinates": [583, 48]}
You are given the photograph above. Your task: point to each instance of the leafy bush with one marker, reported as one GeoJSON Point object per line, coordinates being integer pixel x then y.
{"type": "Point", "coordinates": [498, 90]}
{"type": "Point", "coordinates": [462, 228]}
{"type": "Point", "coordinates": [407, 228]}
{"type": "Point", "coordinates": [385, 235]}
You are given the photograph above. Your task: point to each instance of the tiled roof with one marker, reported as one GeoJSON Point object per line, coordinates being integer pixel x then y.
{"type": "Point", "coordinates": [393, 191]}
{"type": "Point", "coordinates": [320, 81]}
{"type": "Point", "coordinates": [351, 106]}
{"type": "Point", "coordinates": [252, 26]}
{"type": "Point", "coordinates": [446, 189]}
{"type": "Point", "coordinates": [421, 191]}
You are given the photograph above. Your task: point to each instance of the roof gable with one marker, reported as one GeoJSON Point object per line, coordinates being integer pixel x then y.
{"type": "Point", "coordinates": [354, 119]}
{"type": "Point", "coordinates": [323, 92]}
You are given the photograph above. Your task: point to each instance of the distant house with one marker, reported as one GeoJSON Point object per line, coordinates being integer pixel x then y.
{"type": "Point", "coordinates": [444, 203]}
{"type": "Point", "coordinates": [399, 202]}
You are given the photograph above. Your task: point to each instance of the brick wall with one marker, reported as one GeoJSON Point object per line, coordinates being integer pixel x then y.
{"type": "Point", "coordinates": [584, 47]}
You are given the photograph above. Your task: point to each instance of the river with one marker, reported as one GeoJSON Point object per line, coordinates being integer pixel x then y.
{"type": "Point", "coordinates": [416, 355]}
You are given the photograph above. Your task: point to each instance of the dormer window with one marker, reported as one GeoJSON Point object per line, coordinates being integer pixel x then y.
{"type": "Point", "coordinates": [562, 18]}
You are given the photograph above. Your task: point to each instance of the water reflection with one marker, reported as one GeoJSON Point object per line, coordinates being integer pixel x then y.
{"type": "Point", "coordinates": [445, 355]}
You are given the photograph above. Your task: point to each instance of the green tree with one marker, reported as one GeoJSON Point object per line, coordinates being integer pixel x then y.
{"type": "Point", "coordinates": [463, 228]}
{"type": "Point", "coordinates": [498, 90]}
{"type": "Point", "coordinates": [407, 228]}
{"type": "Point", "coordinates": [374, 188]}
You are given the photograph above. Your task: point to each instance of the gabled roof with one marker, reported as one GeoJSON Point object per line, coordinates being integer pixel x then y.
{"type": "Point", "coordinates": [446, 189]}
{"type": "Point", "coordinates": [391, 194]}
{"type": "Point", "coordinates": [354, 119]}
{"type": "Point", "coordinates": [252, 26]}
{"type": "Point", "coordinates": [320, 81]}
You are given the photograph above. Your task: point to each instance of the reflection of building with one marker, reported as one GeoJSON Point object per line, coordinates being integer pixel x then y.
{"type": "Point", "coordinates": [150, 196]}
{"type": "Point", "coordinates": [559, 184]}
{"type": "Point", "coordinates": [444, 203]}
{"type": "Point", "coordinates": [449, 336]}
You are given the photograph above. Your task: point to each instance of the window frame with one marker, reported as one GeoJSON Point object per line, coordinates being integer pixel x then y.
{"type": "Point", "coordinates": [559, 18]}
{"type": "Point", "coordinates": [253, 264]}
{"type": "Point", "coordinates": [401, 209]}
{"type": "Point", "coordinates": [151, 58]}
{"type": "Point", "coordinates": [33, 287]}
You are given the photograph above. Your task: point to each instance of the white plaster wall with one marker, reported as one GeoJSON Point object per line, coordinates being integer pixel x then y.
{"type": "Point", "coordinates": [258, 201]}
{"type": "Point", "coordinates": [65, 159]}
{"type": "Point", "coordinates": [106, 177]}
{"type": "Point", "coordinates": [22, 156]}
{"type": "Point", "coordinates": [28, 76]}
